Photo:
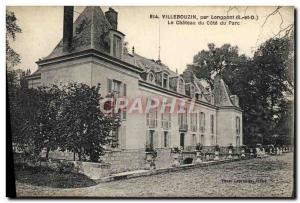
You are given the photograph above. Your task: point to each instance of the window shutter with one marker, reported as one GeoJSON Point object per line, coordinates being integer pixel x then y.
{"type": "Point", "coordinates": [204, 122]}
{"type": "Point", "coordinates": [155, 139]}
{"type": "Point", "coordinates": [147, 138]}
{"type": "Point", "coordinates": [124, 90]}
{"type": "Point", "coordinates": [169, 139]}
{"type": "Point", "coordinates": [123, 138]}
{"type": "Point", "coordinates": [124, 114]}
{"type": "Point", "coordinates": [109, 85]}
{"type": "Point", "coordinates": [162, 139]}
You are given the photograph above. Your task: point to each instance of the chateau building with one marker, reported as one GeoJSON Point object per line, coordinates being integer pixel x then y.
{"type": "Point", "coordinates": [91, 52]}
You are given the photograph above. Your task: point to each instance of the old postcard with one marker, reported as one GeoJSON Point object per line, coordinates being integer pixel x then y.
{"type": "Point", "coordinates": [151, 102]}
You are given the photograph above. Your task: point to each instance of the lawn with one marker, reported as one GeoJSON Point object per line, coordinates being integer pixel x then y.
{"type": "Point", "coordinates": [266, 177]}
{"type": "Point", "coordinates": [42, 176]}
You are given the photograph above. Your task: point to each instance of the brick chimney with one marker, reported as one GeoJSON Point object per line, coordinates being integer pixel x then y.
{"type": "Point", "coordinates": [112, 17]}
{"type": "Point", "coordinates": [68, 27]}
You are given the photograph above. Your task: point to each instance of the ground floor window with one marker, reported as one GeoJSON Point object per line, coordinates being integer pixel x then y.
{"type": "Point", "coordinates": [194, 140]}
{"type": "Point", "coordinates": [115, 138]}
{"type": "Point", "coordinates": [182, 140]}
{"type": "Point", "coordinates": [202, 140]}
{"type": "Point", "coordinates": [123, 137]}
{"type": "Point", "coordinates": [151, 139]}
{"type": "Point", "coordinates": [212, 140]}
{"type": "Point", "coordinates": [238, 141]}
{"type": "Point", "coordinates": [166, 139]}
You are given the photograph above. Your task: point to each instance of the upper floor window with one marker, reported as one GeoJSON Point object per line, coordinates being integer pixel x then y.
{"type": "Point", "coordinates": [166, 139]}
{"type": "Point", "coordinates": [182, 117]}
{"type": "Point", "coordinates": [181, 86]}
{"type": "Point", "coordinates": [116, 87]}
{"type": "Point", "coordinates": [150, 77]}
{"type": "Point", "coordinates": [117, 46]}
{"type": "Point", "coordinates": [212, 124]}
{"type": "Point", "coordinates": [151, 117]}
{"type": "Point", "coordinates": [165, 80]}
{"type": "Point", "coordinates": [202, 122]}
{"type": "Point", "coordinates": [166, 118]}
{"type": "Point", "coordinates": [194, 121]}
{"type": "Point", "coordinates": [192, 91]}
{"type": "Point", "coordinates": [238, 125]}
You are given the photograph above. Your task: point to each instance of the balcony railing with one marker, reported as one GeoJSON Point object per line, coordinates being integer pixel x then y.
{"type": "Point", "coordinates": [166, 124]}
{"type": "Point", "coordinates": [183, 127]}
{"type": "Point", "coordinates": [194, 128]}
{"type": "Point", "coordinates": [151, 123]}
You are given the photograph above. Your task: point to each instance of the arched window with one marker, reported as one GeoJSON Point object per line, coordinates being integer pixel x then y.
{"type": "Point", "coordinates": [165, 79]}
{"type": "Point", "coordinates": [151, 77]}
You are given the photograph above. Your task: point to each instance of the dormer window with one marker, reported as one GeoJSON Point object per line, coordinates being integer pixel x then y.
{"type": "Point", "coordinates": [117, 46]}
{"type": "Point", "coordinates": [116, 43]}
{"type": "Point", "coordinates": [150, 77]}
{"type": "Point", "coordinates": [181, 86]}
{"type": "Point", "coordinates": [165, 79]}
{"type": "Point", "coordinates": [192, 91]}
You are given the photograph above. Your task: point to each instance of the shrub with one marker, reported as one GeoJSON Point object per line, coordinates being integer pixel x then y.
{"type": "Point", "coordinates": [199, 147]}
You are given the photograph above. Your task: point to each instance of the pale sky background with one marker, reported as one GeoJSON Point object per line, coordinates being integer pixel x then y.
{"type": "Point", "coordinates": [42, 29]}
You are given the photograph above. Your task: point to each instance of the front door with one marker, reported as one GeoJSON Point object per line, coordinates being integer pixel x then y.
{"type": "Point", "coordinates": [182, 140]}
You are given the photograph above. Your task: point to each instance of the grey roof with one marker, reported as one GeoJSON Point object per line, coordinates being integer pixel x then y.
{"type": "Point", "coordinates": [90, 30]}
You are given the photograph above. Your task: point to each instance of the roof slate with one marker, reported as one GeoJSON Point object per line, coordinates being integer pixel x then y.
{"type": "Point", "coordinates": [90, 30]}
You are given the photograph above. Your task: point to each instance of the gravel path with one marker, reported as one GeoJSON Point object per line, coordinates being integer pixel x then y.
{"type": "Point", "coordinates": [267, 177]}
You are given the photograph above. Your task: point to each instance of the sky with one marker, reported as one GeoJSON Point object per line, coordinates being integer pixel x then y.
{"type": "Point", "coordinates": [42, 29]}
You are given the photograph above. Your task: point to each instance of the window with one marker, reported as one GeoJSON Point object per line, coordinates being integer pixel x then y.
{"type": "Point", "coordinates": [124, 90]}
{"type": "Point", "coordinates": [182, 119]}
{"type": "Point", "coordinates": [238, 125]}
{"type": "Point", "coordinates": [117, 46]}
{"type": "Point", "coordinates": [202, 122]}
{"type": "Point", "coordinates": [212, 124]}
{"type": "Point", "coordinates": [181, 86]}
{"type": "Point", "coordinates": [212, 140]}
{"type": "Point", "coordinates": [123, 137]}
{"type": "Point", "coordinates": [150, 138]}
{"type": "Point", "coordinates": [192, 91]}
{"type": "Point", "coordinates": [165, 80]}
{"type": "Point", "coordinates": [238, 141]}
{"type": "Point", "coordinates": [165, 139]}
{"type": "Point", "coordinates": [124, 116]}
{"type": "Point", "coordinates": [150, 77]}
{"type": "Point", "coordinates": [113, 86]}
{"type": "Point", "coordinates": [116, 87]}
{"type": "Point", "coordinates": [202, 140]}
{"type": "Point", "coordinates": [166, 118]}
{"type": "Point", "coordinates": [194, 140]}
{"type": "Point", "coordinates": [115, 137]}
{"type": "Point", "coordinates": [194, 122]}
{"type": "Point", "coordinates": [151, 117]}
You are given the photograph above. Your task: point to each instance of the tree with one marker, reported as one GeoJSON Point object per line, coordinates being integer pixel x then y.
{"type": "Point", "coordinates": [12, 28]}
{"type": "Point", "coordinates": [24, 107]}
{"type": "Point", "coordinates": [86, 128]}
{"type": "Point", "coordinates": [262, 83]}
{"type": "Point", "coordinates": [48, 118]}
{"type": "Point", "coordinates": [217, 60]}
